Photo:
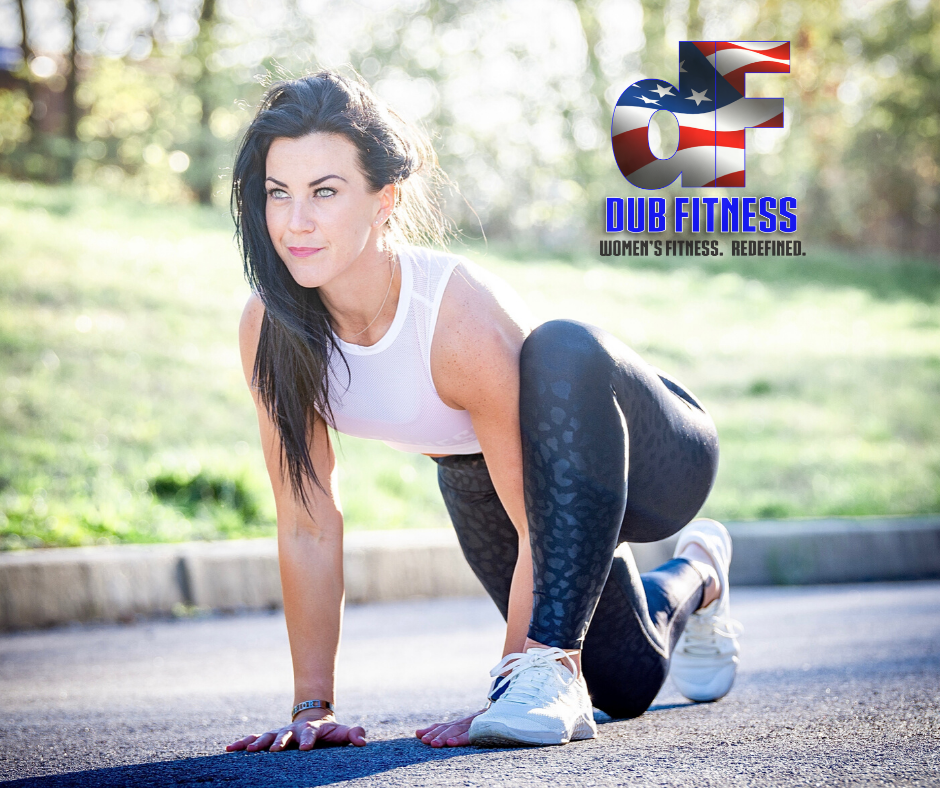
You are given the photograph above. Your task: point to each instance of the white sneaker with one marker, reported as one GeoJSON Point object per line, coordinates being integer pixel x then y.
{"type": "Point", "coordinates": [541, 702]}
{"type": "Point", "coordinates": [705, 660]}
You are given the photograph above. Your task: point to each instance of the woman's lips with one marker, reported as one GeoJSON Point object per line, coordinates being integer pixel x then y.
{"type": "Point", "coordinates": [303, 251]}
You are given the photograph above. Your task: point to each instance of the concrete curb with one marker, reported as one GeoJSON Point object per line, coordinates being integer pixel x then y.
{"type": "Point", "coordinates": [40, 588]}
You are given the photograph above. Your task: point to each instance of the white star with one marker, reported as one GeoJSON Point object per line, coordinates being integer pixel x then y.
{"type": "Point", "coordinates": [698, 96]}
{"type": "Point", "coordinates": [682, 70]}
{"type": "Point", "coordinates": [650, 101]}
{"type": "Point", "coordinates": [663, 90]}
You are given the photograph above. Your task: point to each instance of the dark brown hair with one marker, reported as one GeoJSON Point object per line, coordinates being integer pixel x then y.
{"type": "Point", "coordinates": [296, 340]}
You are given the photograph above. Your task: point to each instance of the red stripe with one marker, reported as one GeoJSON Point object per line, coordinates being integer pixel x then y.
{"type": "Point", "coordinates": [781, 52]}
{"type": "Point", "coordinates": [773, 123]}
{"type": "Point", "coordinates": [691, 137]}
{"type": "Point", "coordinates": [730, 139]}
{"type": "Point", "coordinates": [632, 150]}
{"type": "Point", "coordinates": [705, 47]}
{"type": "Point", "coordinates": [731, 179]}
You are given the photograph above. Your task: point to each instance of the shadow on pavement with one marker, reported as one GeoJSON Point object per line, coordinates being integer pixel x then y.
{"type": "Point", "coordinates": [284, 769]}
{"type": "Point", "coordinates": [667, 706]}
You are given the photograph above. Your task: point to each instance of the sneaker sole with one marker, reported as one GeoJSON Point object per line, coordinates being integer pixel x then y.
{"type": "Point", "coordinates": [499, 734]}
{"type": "Point", "coordinates": [716, 689]}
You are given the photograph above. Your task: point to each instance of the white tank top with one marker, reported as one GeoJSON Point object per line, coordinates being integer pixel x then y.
{"type": "Point", "coordinates": [388, 393]}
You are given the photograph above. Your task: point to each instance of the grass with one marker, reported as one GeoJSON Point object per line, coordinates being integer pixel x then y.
{"type": "Point", "coordinates": [124, 416]}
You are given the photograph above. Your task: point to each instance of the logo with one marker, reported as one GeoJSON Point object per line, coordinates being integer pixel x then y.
{"type": "Point", "coordinates": [712, 110]}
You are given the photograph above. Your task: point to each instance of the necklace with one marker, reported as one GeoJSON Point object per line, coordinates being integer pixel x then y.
{"type": "Point", "coordinates": [390, 280]}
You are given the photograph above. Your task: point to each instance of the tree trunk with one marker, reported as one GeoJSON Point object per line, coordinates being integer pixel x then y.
{"type": "Point", "coordinates": [27, 57]}
{"type": "Point", "coordinates": [71, 81]}
{"type": "Point", "coordinates": [66, 164]}
{"type": "Point", "coordinates": [204, 170]}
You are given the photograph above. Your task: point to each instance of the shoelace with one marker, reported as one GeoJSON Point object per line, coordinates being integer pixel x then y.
{"type": "Point", "coordinates": [701, 633]}
{"type": "Point", "coordinates": [527, 673]}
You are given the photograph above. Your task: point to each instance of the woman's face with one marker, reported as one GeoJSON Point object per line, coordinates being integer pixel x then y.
{"type": "Point", "coordinates": [320, 213]}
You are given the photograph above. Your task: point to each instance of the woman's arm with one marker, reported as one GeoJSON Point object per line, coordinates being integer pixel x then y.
{"type": "Point", "coordinates": [310, 556]}
{"type": "Point", "coordinates": [481, 326]}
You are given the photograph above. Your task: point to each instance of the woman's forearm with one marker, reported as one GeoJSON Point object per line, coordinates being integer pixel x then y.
{"type": "Point", "coordinates": [520, 600]}
{"type": "Point", "coordinates": [311, 565]}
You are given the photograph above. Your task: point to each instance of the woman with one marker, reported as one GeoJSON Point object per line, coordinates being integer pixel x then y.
{"type": "Point", "coordinates": [538, 434]}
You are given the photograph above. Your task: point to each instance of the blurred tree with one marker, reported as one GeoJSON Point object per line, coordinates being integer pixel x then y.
{"type": "Point", "coordinates": [71, 86]}
{"type": "Point", "coordinates": [518, 99]}
{"type": "Point", "coordinates": [71, 78]}
{"type": "Point", "coordinates": [201, 174]}
{"type": "Point", "coordinates": [897, 137]}
{"type": "Point", "coordinates": [27, 51]}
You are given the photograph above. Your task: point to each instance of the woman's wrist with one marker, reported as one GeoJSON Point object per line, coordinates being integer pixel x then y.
{"type": "Point", "coordinates": [311, 704]}
{"type": "Point", "coordinates": [313, 715]}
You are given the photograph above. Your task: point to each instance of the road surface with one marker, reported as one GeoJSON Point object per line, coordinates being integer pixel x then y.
{"type": "Point", "coordinates": [839, 685]}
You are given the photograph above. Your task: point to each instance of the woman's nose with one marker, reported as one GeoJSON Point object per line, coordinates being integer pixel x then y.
{"type": "Point", "coordinates": [301, 218]}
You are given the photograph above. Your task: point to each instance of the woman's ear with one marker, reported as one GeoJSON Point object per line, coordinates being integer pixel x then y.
{"type": "Point", "coordinates": [388, 197]}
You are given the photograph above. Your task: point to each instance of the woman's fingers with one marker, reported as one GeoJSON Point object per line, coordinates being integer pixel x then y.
{"type": "Point", "coordinates": [343, 734]}
{"type": "Point", "coordinates": [454, 735]}
{"type": "Point", "coordinates": [281, 739]}
{"type": "Point", "coordinates": [458, 738]}
{"type": "Point", "coordinates": [427, 734]}
{"type": "Point", "coordinates": [261, 742]}
{"type": "Point", "coordinates": [447, 734]}
{"type": "Point", "coordinates": [304, 734]}
{"type": "Point", "coordinates": [308, 737]}
{"type": "Point", "coordinates": [242, 743]}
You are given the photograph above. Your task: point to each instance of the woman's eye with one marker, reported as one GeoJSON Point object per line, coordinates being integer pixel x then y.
{"type": "Point", "coordinates": [324, 191]}
{"type": "Point", "coordinates": [277, 194]}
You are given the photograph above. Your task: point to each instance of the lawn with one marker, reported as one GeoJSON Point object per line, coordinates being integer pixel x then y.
{"type": "Point", "coordinates": [124, 416]}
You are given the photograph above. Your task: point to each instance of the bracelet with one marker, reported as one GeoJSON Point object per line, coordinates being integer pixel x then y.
{"type": "Point", "coordinates": [310, 704]}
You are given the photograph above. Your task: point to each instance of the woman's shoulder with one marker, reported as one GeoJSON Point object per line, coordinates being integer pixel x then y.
{"type": "Point", "coordinates": [249, 332]}
{"type": "Point", "coordinates": [469, 280]}
{"type": "Point", "coordinates": [477, 305]}
{"type": "Point", "coordinates": [252, 315]}
{"type": "Point", "coordinates": [480, 330]}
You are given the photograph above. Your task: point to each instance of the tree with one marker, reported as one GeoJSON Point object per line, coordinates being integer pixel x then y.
{"type": "Point", "coordinates": [71, 79]}
{"type": "Point", "coordinates": [28, 85]}
{"type": "Point", "coordinates": [201, 175]}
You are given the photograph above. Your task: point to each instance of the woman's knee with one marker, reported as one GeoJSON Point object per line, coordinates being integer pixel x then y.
{"type": "Point", "coordinates": [568, 347]}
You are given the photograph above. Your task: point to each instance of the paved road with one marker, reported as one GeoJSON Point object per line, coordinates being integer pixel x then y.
{"type": "Point", "coordinates": [839, 685]}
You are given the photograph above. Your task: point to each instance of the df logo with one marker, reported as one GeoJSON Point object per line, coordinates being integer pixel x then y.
{"type": "Point", "coordinates": [712, 111]}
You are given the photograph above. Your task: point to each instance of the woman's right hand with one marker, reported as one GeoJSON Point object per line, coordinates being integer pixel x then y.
{"type": "Point", "coordinates": [302, 734]}
{"type": "Point", "coordinates": [448, 734]}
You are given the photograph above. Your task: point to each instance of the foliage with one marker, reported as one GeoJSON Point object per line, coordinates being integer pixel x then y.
{"type": "Point", "coordinates": [189, 493]}
{"type": "Point", "coordinates": [519, 98]}
{"type": "Point", "coordinates": [897, 139]}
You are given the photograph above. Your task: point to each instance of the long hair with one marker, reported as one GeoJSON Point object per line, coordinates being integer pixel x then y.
{"type": "Point", "coordinates": [297, 340]}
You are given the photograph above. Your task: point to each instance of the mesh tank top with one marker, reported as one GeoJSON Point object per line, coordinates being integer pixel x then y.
{"type": "Point", "coordinates": [388, 393]}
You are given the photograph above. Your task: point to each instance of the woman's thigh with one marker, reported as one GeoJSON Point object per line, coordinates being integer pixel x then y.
{"type": "Point", "coordinates": [639, 433]}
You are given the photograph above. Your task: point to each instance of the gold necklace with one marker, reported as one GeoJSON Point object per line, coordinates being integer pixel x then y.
{"type": "Point", "coordinates": [390, 280]}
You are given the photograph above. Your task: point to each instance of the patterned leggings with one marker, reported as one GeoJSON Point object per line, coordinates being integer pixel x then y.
{"type": "Point", "coordinates": [596, 421]}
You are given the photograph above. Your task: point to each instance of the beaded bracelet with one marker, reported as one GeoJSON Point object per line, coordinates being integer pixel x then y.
{"type": "Point", "coordinates": [310, 704]}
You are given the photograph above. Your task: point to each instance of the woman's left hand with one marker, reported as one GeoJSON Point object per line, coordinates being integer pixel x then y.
{"type": "Point", "coordinates": [448, 734]}
{"type": "Point", "coordinates": [303, 734]}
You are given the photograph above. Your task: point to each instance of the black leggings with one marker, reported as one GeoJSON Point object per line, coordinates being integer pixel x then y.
{"type": "Point", "coordinates": [596, 420]}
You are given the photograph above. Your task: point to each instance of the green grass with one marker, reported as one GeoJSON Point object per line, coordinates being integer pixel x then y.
{"type": "Point", "coordinates": [124, 416]}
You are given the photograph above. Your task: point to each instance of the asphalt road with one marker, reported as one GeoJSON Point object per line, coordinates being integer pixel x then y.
{"type": "Point", "coordinates": [839, 685]}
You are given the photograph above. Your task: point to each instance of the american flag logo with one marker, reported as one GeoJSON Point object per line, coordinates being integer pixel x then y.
{"type": "Point", "coordinates": [712, 111]}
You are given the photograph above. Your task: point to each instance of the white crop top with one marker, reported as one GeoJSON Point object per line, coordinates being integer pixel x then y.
{"type": "Point", "coordinates": [388, 393]}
